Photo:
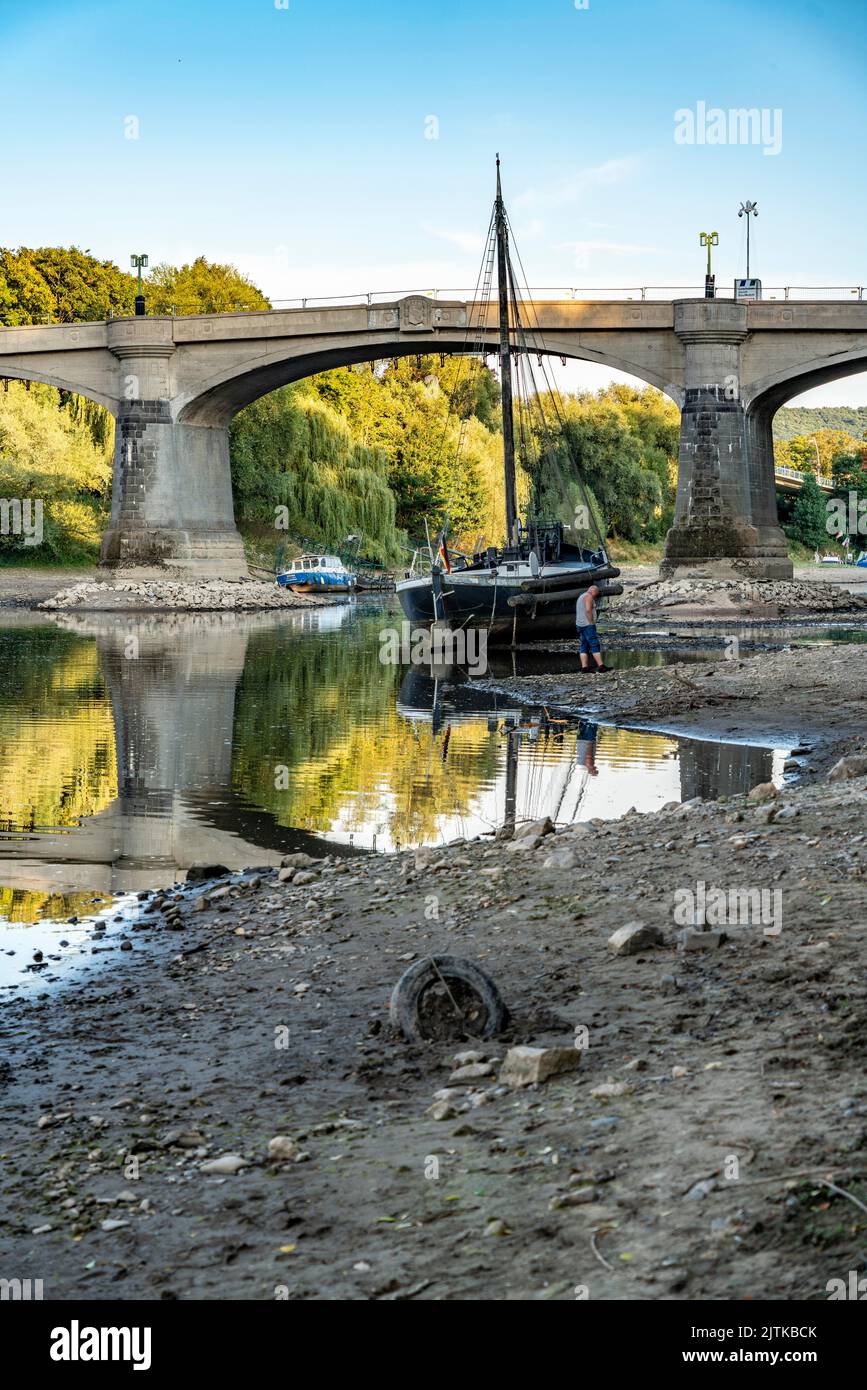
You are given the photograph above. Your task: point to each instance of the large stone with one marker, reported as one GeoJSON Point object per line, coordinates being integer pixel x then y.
{"type": "Point", "coordinates": [853, 766]}
{"type": "Point", "coordinates": [634, 937]}
{"type": "Point", "coordinates": [531, 1066]}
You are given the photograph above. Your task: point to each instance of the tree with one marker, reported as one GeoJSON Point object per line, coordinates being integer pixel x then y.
{"type": "Point", "coordinates": [809, 515]}
{"type": "Point", "coordinates": [203, 287]}
{"type": "Point", "coordinates": [62, 284]}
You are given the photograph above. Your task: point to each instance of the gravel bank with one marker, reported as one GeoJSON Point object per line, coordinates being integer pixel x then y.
{"type": "Point", "coordinates": [170, 596]}
{"type": "Point", "coordinates": [707, 598]}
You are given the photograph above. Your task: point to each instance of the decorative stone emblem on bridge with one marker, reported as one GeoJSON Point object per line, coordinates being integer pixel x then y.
{"type": "Point", "coordinates": [417, 314]}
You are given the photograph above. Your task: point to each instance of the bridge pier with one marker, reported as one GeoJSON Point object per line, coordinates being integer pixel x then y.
{"type": "Point", "coordinates": [172, 483]}
{"type": "Point", "coordinates": [726, 521]}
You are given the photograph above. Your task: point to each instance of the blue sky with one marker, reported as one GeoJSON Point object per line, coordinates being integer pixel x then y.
{"type": "Point", "coordinates": [292, 141]}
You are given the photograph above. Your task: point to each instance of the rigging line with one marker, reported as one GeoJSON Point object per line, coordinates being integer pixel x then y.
{"type": "Point", "coordinates": [485, 272]}
{"type": "Point", "coordinates": [485, 278]}
{"type": "Point", "coordinates": [555, 398]}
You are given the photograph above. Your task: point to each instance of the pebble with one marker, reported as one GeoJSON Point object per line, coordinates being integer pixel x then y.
{"type": "Point", "coordinates": [226, 1163]}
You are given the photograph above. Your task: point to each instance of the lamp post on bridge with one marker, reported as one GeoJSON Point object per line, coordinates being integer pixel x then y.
{"type": "Point", "coordinates": [709, 239]}
{"type": "Point", "coordinates": [137, 263]}
{"type": "Point", "coordinates": [748, 209]}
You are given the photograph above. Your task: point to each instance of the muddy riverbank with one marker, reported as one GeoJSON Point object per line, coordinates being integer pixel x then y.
{"type": "Point", "coordinates": [721, 1086]}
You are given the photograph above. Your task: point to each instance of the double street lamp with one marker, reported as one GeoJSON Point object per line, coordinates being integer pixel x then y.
{"type": "Point", "coordinates": [139, 263]}
{"type": "Point", "coordinates": [708, 239]}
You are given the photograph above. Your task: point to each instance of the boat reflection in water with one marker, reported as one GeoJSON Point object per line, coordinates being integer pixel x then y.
{"type": "Point", "coordinates": [570, 769]}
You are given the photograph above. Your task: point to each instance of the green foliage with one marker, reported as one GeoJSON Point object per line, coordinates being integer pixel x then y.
{"type": "Point", "coordinates": [61, 285]}
{"type": "Point", "coordinates": [809, 515]}
{"type": "Point", "coordinates": [623, 441]}
{"type": "Point", "coordinates": [791, 421]}
{"type": "Point", "coordinates": [47, 456]}
{"type": "Point", "coordinates": [292, 450]}
{"type": "Point", "coordinates": [811, 452]}
{"type": "Point", "coordinates": [203, 287]}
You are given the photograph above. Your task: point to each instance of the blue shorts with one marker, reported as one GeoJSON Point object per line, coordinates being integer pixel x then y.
{"type": "Point", "coordinates": [589, 640]}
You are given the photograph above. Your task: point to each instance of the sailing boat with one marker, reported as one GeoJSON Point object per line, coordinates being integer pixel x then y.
{"type": "Point", "coordinates": [528, 587]}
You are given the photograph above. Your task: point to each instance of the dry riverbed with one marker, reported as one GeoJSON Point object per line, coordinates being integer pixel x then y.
{"type": "Point", "coordinates": [722, 1087]}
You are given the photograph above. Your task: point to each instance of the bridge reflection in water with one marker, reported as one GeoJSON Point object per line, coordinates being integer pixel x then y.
{"type": "Point", "coordinates": [134, 747]}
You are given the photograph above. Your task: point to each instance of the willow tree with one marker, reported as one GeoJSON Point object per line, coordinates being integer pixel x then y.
{"type": "Point", "coordinates": [296, 465]}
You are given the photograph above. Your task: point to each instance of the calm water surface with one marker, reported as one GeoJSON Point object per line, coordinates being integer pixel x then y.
{"type": "Point", "coordinates": [133, 747]}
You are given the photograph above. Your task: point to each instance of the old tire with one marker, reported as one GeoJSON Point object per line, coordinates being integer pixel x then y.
{"type": "Point", "coordinates": [444, 999]}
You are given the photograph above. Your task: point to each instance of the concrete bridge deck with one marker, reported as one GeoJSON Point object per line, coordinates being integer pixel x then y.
{"type": "Point", "coordinates": [175, 383]}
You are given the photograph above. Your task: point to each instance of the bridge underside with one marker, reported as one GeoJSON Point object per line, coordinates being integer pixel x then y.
{"type": "Point", "coordinates": [174, 385]}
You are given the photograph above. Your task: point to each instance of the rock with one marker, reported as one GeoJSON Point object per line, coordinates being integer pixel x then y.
{"type": "Point", "coordinates": [183, 1139]}
{"type": "Point", "coordinates": [561, 859]}
{"type": "Point", "coordinates": [609, 1090]}
{"type": "Point", "coordinates": [846, 768]}
{"type": "Point", "coordinates": [496, 1227]}
{"type": "Point", "coordinates": [634, 937]}
{"type": "Point", "coordinates": [286, 875]}
{"type": "Point", "coordinates": [475, 1071]}
{"type": "Point", "coordinates": [467, 1059]}
{"type": "Point", "coordinates": [535, 828]}
{"type": "Point", "coordinates": [226, 1163]}
{"type": "Point", "coordinates": [441, 1110]}
{"type": "Point", "coordinates": [523, 844]}
{"type": "Point", "coordinates": [691, 940]}
{"type": "Point", "coordinates": [701, 1189]}
{"type": "Point", "coordinates": [112, 1224]}
{"type": "Point", "coordinates": [531, 1066]}
{"type": "Point", "coordinates": [199, 873]}
{"type": "Point", "coordinates": [304, 876]}
{"type": "Point", "coordinates": [764, 791]}
{"type": "Point", "coordinates": [285, 1150]}
{"type": "Point", "coordinates": [578, 1197]}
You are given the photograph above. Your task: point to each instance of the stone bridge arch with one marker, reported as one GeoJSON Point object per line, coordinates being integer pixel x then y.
{"type": "Point", "coordinates": [175, 383]}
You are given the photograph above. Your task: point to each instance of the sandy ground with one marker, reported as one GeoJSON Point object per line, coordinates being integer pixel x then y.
{"type": "Point", "coordinates": [732, 1078]}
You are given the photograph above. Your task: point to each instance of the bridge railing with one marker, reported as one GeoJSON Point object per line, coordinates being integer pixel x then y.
{"type": "Point", "coordinates": [594, 292]}
{"type": "Point", "coordinates": [782, 470]}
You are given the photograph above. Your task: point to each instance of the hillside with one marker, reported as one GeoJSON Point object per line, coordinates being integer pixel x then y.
{"type": "Point", "coordinates": [791, 421]}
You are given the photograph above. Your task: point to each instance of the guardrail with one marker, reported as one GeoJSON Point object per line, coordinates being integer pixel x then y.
{"type": "Point", "coordinates": [838, 293]}
{"type": "Point", "coordinates": [782, 470]}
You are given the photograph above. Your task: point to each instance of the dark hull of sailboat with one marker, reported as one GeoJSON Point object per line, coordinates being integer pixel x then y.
{"type": "Point", "coordinates": [485, 605]}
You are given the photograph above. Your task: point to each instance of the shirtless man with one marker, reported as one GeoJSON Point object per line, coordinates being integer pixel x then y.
{"type": "Point", "coordinates": [585, 623]}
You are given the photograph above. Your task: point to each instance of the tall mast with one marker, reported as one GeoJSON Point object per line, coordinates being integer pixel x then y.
{"type": "Point", "coordinates": [506, 366]}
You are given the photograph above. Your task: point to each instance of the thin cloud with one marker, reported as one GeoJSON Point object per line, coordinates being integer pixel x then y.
{"type": "Point", "coordinates": [569, 190]}
{"type": "Point", "coordinates": [582, 251]}
{"type": "Point", "coordinates": [473, 243]}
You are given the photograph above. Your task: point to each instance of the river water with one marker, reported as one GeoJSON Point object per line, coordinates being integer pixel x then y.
{"type": "Point", "coordinates": [134, 747]}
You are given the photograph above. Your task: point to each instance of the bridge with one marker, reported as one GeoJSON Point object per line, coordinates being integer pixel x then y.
{"type": "Point", "coordinates": [173, 710]}
{"type": "Point", "coordinates": [792, 479]}
{"type": "Point", "coordinates": [173, 384]}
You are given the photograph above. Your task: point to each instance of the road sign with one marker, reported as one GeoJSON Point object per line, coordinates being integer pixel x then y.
{"type": "Point", "coordinates": [750, 290]}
